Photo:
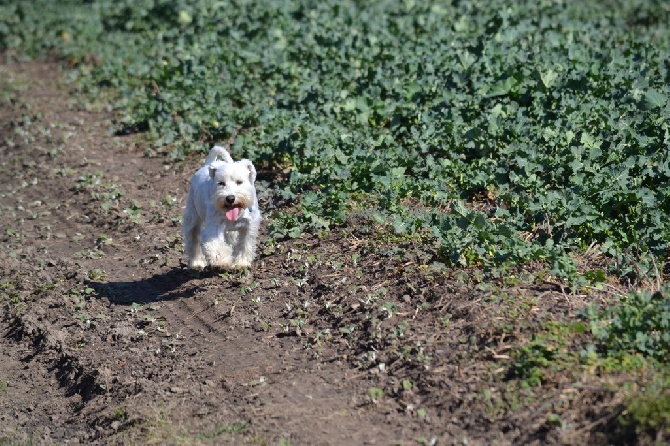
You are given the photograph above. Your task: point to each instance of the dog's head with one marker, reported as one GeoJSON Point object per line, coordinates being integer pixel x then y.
{"type": "Point", "coordinates": [233, 186]}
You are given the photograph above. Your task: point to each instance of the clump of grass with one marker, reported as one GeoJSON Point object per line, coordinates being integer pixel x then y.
{"type": "Point", "coordinates": [646, 416]}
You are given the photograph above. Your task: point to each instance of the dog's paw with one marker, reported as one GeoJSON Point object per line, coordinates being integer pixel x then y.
{"type": "Point", "coordinates": [220, 264]}
{"type": "Point", "coordinates": [241, 264]}
{"type": "Point", "coordinates": [197, 263]}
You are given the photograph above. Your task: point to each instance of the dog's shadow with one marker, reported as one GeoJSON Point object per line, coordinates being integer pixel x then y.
{"type": "Point", "coordinates": [159, 287]}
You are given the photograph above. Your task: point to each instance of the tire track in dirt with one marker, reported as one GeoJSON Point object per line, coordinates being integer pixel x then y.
{"type": "Point", "coordinates": [37, 320]}
{"type": "Point", "coordinates": [194, 316]}
{"type": "Point", "coordinates": [28, 413]}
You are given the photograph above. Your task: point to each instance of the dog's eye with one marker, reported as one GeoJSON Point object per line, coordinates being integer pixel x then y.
{"type": "Point", "coordinates": [239, 182]}
{"type": "Point", "coordinates": [222, 183]}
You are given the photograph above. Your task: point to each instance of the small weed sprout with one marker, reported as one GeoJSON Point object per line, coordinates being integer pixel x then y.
{"type": "Point", "coordinates": [97, 274]}
{"type": "Point", "coordinates": [249, 288]}
{"type": "Point", "coordinates": [390, 309]}
{"type": "Point", "coordinates": [375, 394]}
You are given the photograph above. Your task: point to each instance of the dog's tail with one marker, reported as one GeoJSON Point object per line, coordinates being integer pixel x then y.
{"type": "Point", "coordinates": [218, 151]}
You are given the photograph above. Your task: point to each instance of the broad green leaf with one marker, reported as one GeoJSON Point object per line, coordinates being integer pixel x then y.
{"type": "Point", "coordinates": [500, 88]}
{"type": "Point", "coordinates": [549, 78]}
{"type": "Point", "coordinates": [654, 99]}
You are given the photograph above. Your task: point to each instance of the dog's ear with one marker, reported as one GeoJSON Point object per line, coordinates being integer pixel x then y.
{"type": "Point", "coordinates": [252, 170]}
{"type": "Point", "coordinates": [212, 172]}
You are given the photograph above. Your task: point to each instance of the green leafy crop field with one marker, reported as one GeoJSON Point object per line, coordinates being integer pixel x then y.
{"type": "Point", "coordinates": [498, 138]}
{"type": "Point", "coordinates": [497, 132]}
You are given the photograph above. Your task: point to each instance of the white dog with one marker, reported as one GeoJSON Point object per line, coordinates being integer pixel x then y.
{"type": "Point", "coordinates": [222, 218]}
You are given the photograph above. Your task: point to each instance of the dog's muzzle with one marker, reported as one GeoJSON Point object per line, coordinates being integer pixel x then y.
{"type": "Point", "coordinates": [232, 211]}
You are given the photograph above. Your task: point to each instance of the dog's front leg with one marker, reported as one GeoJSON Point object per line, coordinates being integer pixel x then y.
{"type": "Point", "coordinates": [218, 253]}
{"type": "Point", "coordinates": [244, 249]}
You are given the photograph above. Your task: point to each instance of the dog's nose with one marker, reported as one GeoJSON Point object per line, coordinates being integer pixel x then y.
{"type": "Point", "coordinates": [230, 199]}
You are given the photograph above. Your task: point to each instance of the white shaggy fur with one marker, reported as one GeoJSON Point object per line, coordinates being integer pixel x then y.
{"type": "Point", "coordinates": [222, 217]}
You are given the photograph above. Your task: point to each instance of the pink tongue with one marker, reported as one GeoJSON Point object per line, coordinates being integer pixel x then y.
{"type": "Point", "coordinates": [232, 214]}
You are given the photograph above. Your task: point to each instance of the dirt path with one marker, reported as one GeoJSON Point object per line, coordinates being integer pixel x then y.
{"type": "Point", "coordinates": [106, 337]}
